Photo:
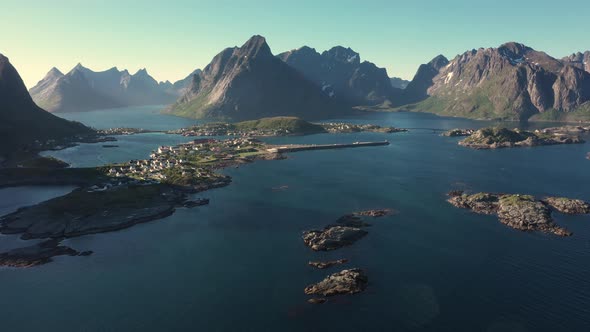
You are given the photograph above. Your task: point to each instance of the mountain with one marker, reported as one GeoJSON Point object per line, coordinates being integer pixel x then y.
{"type": "Point", "coordinates": [341, 74]}
{"type": "Point", "coordinates": [579, 60]}
{"type": "Point", "coordinates": [21, 120]}
{"type": "Point", "coordinates": [417, 89]}
{"type": "Point", "coordinates": [398, 83]}
{"type": "Point", "coordinates": [249, 82]}
{"type": "Point", "coordinates": [82, 89]}
{"type": "Point", "coordinates": [512, 82]}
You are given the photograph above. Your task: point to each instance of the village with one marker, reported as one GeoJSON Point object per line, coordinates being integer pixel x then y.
{"type": "Point", "coordinates": [227, 129]}
{"type": "Point", "coordinates": [192, 163]}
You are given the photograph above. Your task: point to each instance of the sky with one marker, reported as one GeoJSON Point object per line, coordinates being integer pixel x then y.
{"type": "Point", "coordinates": [172, 38]}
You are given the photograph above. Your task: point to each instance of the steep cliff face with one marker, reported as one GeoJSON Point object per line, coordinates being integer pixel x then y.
{"type": "Point", "coordinates": [21, 120]}
{"type": "Point", "coordinates": [417, 89]}
{"type": "Point", "coordinates": [341, 74]}
{"type": "Point", "coordinates": [512, 81]}
{"type": "Point", "coordinates": [579, 60]}
{"type": "Point", "coordinates": [248, 82]}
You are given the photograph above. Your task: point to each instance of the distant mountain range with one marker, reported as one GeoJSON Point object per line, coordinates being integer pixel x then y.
{"type": "Point", "coordinates": [21, 120]}
{"type": "Point", "coordinates": [82, 89]}
{"type": "Point", "coordinates": [511, 82]}
{"type": "Point", "coordinates": [398, 83]}
{"type": "Point", "coordinates": [249, 82]}
{"type": "Point", "coordinates": [341, 74]}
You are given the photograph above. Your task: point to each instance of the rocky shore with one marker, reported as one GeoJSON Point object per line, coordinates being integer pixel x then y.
{"type": "Point", "coordinates": [495, 138]}
{"type": "Point", "coordinates": [332, 237]}
{"type": "Point", "coordinates": [350, 281]}
{"type": "Point", "coordinates": [37, 254]}
{"type": "Point", "coordinates": [521, 212]}
{"type": "Point", "coordinates": [344, 232]}
{"type": "Point", "coordinates": [328, 264]}
{"type": "Point", "coordinates": [568, 205]}
{"type": "Point", "coordinates": [86, 212]}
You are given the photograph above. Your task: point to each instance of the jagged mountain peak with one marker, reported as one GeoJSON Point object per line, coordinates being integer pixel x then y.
{"type": "Point", "coordinates": [255, 47]}
{"type": "Point", "coordinates": [141, 72]}
{"type": "Point", "coordinates": [343, 54]}
{"type": "Point", "coordinates": [438, 62]}
{"type": "Point", "coordinates": [514, 49]}
{"type": "Point", "coordinates": [54, 72]}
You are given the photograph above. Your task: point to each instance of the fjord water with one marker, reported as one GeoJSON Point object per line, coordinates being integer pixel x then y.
{"type": "Point", "coordinates": [239, 264]}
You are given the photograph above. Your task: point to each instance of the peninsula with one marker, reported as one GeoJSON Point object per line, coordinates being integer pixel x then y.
{"type": "Point", "coordinates": [118, 196]}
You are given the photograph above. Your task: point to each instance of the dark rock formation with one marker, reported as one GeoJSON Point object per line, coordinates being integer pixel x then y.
{"type": "Point", "coordinates": [37, 254]}
{"type": "Point", "coordinates": [350, 281]}
{"type": "Point", "coordinates": [332, 237]}
{"type": "Point", "coordinates": [86, 212]}
{"type": "Point", "coordinates": [22, 122]}
{"type": "Point", "coordinates": [374, 213]}
{"type": "Point", "coordinates": [317, 300]}
{"type": "Point", "coordinates": [248, 82]}
{"type": "Point", "coordinates": [520, 212]}
{"type": "Point", "coordinates": [328, 264]}
{"type": "Point", "coordinates": [494, 138]}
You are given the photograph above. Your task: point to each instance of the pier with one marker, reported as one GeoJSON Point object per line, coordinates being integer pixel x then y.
{"type": "Point", "coordinates": [297, 148]}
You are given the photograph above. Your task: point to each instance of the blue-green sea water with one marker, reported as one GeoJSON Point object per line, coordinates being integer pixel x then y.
{"type": "Point", "coordinates": [239, 264]}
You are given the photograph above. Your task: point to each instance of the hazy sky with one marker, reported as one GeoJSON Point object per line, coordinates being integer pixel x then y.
{"type": "Point", "coordinates": [171, 38]}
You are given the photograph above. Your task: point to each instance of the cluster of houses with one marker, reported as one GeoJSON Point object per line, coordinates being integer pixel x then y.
{"type": "Point", "coordinates": [180, 158]}
{"type": "Point", "coordinates": [224, 129]}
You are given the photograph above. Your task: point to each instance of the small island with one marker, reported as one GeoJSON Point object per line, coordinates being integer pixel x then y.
{"type": "Point", "coordinates": [521, 212]}
{"type": "Point", "coordinates": [349, 281]}
{"type": "Point", "coordinates": [495, 138]}
{"type": "Point", "coordinates": [279, 126]}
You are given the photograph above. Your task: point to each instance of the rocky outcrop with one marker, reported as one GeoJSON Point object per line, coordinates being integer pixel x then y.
{"type": "Point", "coordinates": [248, 82]}
{"type": "Point", "coordinates": [374, 213]}
{"type": "Point", "coordinates": [579, 60]}
{"type": "Point", "coordinates": [495, 138]}
{"type": "Point", "coordinates": [521, 212]}
{"type": "Point", "coordinates": [332, 237]}
{"type": "Point", "coordinates": [350, 281]}
{"type": "Point", "coordinates": [568, 205]}
{"type": "Point", "coordinates": [37, 254]}
{"type": "Point", "coordinates": [328, 264]}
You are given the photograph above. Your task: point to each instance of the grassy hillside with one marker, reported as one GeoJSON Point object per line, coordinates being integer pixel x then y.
{"type": "Point", "coordinates": [293, 125]}
{"type": "Point", "coordinates": [582, 114]}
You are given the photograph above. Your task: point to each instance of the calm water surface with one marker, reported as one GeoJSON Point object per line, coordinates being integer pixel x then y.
{"type": "Point", "coordinates": [239, 264]}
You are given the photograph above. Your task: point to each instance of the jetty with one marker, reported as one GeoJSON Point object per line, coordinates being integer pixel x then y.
{"type": "Point", "coordinates": [297, 148]}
